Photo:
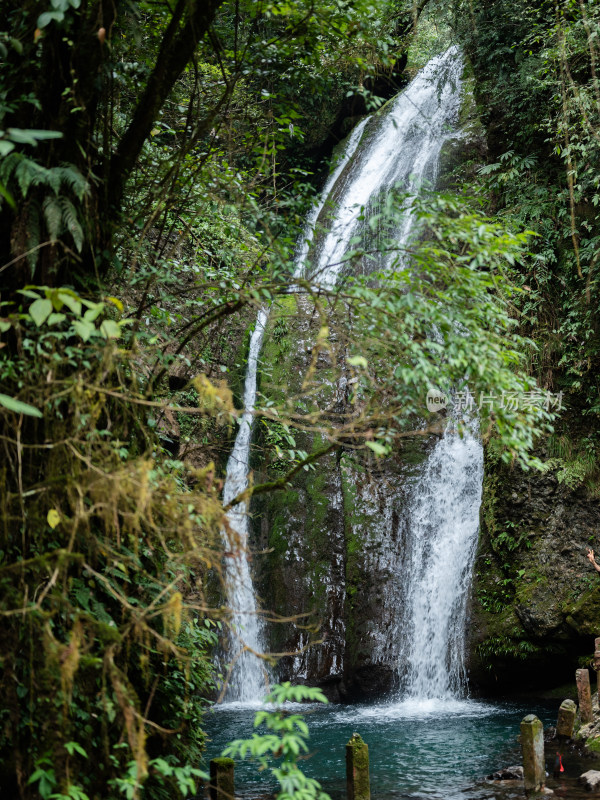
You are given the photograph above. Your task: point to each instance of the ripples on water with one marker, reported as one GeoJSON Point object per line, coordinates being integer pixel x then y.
{"type": "Point", "coordinates": [429, 749]}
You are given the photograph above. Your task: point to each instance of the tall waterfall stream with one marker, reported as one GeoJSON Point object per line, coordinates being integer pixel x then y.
{"type": "Point", "coordinates": [430, 742]}
{"type": "Point", "coordinates": [398, 147]}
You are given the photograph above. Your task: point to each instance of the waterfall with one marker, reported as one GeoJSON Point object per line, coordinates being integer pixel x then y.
{"type": "Point", "coordinates": [397, 147]}
{"type": "Point", "coordinates": [400, 147]}
{"type": "Point", "coordinates": [249, 677]}
{"type": "Point", "coordinates": [247, 681]}
{"type": "Point", "coordinates": [443, 525]}
{"type": "Point", "coordinates": [430, 576]}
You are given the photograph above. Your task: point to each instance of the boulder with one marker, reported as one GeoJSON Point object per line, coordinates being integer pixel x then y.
{"type": "Point", "coordinates": [591, 780]}
{"type": "Point", "coordinates": [507, 774]}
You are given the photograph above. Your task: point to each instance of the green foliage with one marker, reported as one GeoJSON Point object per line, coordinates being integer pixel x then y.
{"type": "Point", "coordinates": [504, 647]}
{"type": "Point", "coordinates": [286, 742]}
{"type": "Point", "coordinates": [536, 81]}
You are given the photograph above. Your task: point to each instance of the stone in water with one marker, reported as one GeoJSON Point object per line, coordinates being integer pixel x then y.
{"type": "Point", "coordinates": [357, 769]}
{"type": "Point", "coordinates": [566, 719]}
{"type": "Point", "coordinates": [582, 677]}
{"type": "Point", "coordinates": [532, 746]}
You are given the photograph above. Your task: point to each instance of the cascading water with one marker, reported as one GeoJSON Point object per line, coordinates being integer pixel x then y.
{"type": "Point", "coordinates": [248, 679]}
{"type": "Point", "coordinates": [400, 148]}
{"type": "Point", "coordinates": [427, 542]}
{"type": "Point", "coordinates": [443, 523]}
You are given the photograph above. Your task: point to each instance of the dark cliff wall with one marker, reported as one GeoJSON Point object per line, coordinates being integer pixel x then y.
{"type": "Point", "coordinates": [331, 544]}
{"type": "Point", "coordinates": [333, 537]}
{"type": "Point", "coordinates": [536, 599]}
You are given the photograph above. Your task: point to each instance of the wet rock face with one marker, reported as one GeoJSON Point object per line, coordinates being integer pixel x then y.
{"type": "Point", "coordinates": [334, 536]}
{"type": "Point", "coordinates": [535, 608]}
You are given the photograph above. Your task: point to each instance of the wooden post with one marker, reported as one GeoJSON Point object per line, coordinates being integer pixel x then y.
{"type": "Point", "coordinates": [357, 769]}
{"type": "Point", "coordinates": [597, 664]}
{"type": "Point", "coordinates": [221, 779]}
{"type": "Point", "coordinates": [532, 746]}
{"type": "Point", "coordinates": [582, 677]}
{"type": "Point", "coordinates": [566, 719]}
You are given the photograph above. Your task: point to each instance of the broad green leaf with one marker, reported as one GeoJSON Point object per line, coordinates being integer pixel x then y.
{"type": "Point", "coordinates": [84, 328]}
{"type": "Point", "coordinates": [31, 135]}
{"type": "Point", "coordinates": [49, 16]}
{"type": "Point", "coordinates": [110, 329]}
{"type": "Point", "coordinates": [18, 406]}
{"type": "Point", "coordinates": [71, 301]}
{"type": "Point", "coordinates": [93, 311]}
{"type": "Point", "coordinates": [40, 310]}
{"type": "Point", "coordinates": [4, 325]}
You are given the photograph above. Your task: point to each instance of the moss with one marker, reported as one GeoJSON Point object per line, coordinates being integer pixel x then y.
{"type": "Point", "coordinates": [585, 613]}
{"type": "Point", "coordinates": [357, 768]}
{"type": "Point", "coordinates": [223, 762]}
{"type": "Point", "coordinates": [593, 745]}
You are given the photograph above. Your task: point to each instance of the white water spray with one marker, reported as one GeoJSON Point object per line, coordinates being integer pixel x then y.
{"type": "Point", "coordinates": [441, 543]}
{"type": "Point", "coordinates": [400, 148]}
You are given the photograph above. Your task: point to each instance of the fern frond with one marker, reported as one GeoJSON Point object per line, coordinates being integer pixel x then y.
{"type": "Point", "coordinates": [70, 175]}
{"type": "Point", "coordinates": [70, 221]}
{"type": "Point", "coordinates": [30, 173]}
{"type": "Point", "coordinates": [8, 164]}
{"type": "Point", "coordinates": [53, 215]}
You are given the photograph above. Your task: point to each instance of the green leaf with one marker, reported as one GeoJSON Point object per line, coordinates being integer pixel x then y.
{"type": "Point", "coordinates": [18, 406]}
{"type": "Point", "coordinates": [4, 326]}
{"type": "Point", "coordinates": [31, 135]}
{"type": "Point", "coordinates": [53, 216]}
{"type": "Point", "coordinates": [110, 330]}
{"type": "Point", "coordinates": [94, 311]}
{"type": "Point", "coordinates": [84, 328]}
{"type": "Point", "coordinates": [49, 16]}
{"type": "Point", "coordinates": [40, 310]}
{"type": "Point", "coordinates": [358, 361]}
{"type": "Point", "coordinates": [5, 147]}
{"type": "Point", "coordinates": [74, 747]}
{"type": "Point", "coordinates": [4, 191]}
{"type": "Point", "coordinates": [71, 300]}
{"type": "Point", "coordinates": [377, 448]}
{"type": "Point", "coordinates": [69, 215]}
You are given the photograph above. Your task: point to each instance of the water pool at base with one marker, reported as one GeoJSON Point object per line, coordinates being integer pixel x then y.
{"type": "Point", "coordinates": [429, 749]}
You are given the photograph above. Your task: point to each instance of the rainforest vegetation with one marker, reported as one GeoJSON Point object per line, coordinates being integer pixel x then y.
{"type": "Point", "coordinates": [157, 161]}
